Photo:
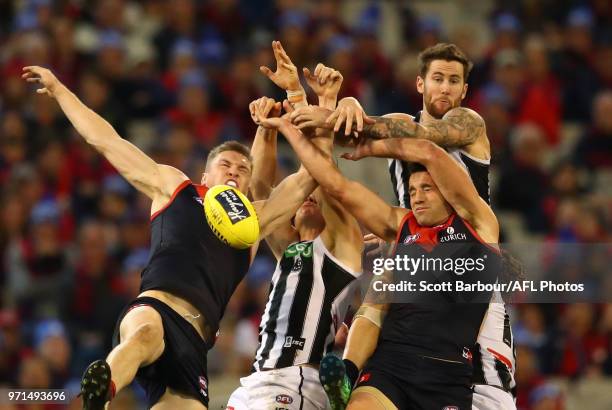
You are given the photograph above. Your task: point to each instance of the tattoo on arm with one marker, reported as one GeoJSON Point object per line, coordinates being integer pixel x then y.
{"type": "Point", "coordinates": [389, 128]}
{"type": "Point", "coordinates": [459, 127]}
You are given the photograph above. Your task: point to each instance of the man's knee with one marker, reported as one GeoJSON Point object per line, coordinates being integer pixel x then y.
{"type": "Point", "coordinates": [143, 328]}
{"type": "Point", "coordinates": [369, 399]}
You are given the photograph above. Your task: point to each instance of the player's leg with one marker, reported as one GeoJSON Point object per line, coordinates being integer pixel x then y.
{"type": "Point", "coordinates": [141, 343]}
{"type": "Point", "coordinates": [369, 398]}
{"type": "Point", "coordinates": [172, 400]}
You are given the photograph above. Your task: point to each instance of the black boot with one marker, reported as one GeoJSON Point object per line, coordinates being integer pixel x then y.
{"type": "Point", "coordinates": [96, 386]}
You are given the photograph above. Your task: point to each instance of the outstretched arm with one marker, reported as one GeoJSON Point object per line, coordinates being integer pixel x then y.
{"type": "Point", "coordinates": [459, 126]}
{"type": "Point", "coordinates": [367, 207]}
{"type": "Point", "coordinates": [453, 181]}
{"type": "Point", "coordinates": [263, 150]}
{"type": "Point", "coordinates": [156, 181]}
{"type": "Point", "coordinates": [289, 195]}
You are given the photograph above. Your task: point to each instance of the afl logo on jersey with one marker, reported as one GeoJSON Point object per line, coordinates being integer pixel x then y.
{"type": "Point", "coordinates": [412, 238]}
{"type": "Point", "coordinates": [284, 399]}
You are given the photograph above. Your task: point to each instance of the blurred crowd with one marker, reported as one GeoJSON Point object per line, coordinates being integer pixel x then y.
{"type": "Point", "coordinates": [176, 79]}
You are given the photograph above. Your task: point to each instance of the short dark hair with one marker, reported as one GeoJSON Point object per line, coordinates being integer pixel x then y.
{"type": "Point", "coordinates": [414, 167]}
{"type": "Point", "coordinates": [229, 146]}
{"type": "Point", "coordinates": [446, 52]}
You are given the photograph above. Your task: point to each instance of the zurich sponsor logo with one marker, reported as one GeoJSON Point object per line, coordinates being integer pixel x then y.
{"type": "Point", "coordinates": [452, 236]}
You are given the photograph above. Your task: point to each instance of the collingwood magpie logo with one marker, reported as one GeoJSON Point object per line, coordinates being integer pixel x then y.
{"type": "Point", "coordinates": [452, 236]}
{"type": "Point", "coordinates": [233, 206]}
{"type": "Point", "coordinates": [297, 264]}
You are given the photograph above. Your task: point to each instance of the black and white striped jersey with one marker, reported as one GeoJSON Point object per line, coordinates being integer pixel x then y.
{"type": "Point", "coordinates": [309, 296]}
{"type": "Point", "coordinates": [494, 355]}
{"type": "Point", "coordinates": [477, 168]}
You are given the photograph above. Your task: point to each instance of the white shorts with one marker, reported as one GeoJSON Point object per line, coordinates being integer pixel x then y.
{"type": "Point", "coordinates": [491, 398]}
{"type": "Point", "coordinates": [291, 388]}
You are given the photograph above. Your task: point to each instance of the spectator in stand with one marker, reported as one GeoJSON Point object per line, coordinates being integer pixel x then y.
{"type": "Point", "coordinates": [130, 275]}
{"type": "Point", "coordinates": [528, 375]}
{"type": "Point", "coordinates": [577, 66]}
{"type": "Point", "coordinates": [566, 182]}
{"type": "Point", "coordinates": [594, 150]}
{"type": "Point", "coordinates": [523, 182]}
{"type": "Point", "coordinates": [52, 345]}
{"type": "Point", "coordinates": [93, 297]}
{"type": "Point", "coordinates": [541, 99]}
{"type": "Point", "coordinates": [546, 397]}
{"type": "Point", "coordinates": [38, 266]}
{"type": "Point", "coordinates": [583, 348]}
{"type": "Point", "coordinates": [12, 348]}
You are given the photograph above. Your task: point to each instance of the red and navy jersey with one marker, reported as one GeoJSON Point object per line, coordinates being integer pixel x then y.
{"type": "Point", "coordinates": [189, 261]}
{"type": "Point", "coordinates": [445, 323]}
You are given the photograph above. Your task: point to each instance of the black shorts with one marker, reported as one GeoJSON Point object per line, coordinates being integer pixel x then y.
{"type": "Point", "coordinates": [416, 382]}
{"type": "Point", "coordinates": [182, 365]}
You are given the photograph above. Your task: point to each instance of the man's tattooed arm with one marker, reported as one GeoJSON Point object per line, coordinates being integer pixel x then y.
{"type": "Point", "coordinates": [459, 127]}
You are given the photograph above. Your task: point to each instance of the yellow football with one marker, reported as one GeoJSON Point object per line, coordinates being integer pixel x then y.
{"type": "Point", "coordinates": [231, 216]}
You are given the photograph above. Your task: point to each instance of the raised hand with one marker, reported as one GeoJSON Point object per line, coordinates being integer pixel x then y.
{"type": "Point", "coordinates": [311, 116]}
{"type": "Point", "coordinates": [364, 148]}
{"type": "Point", "coordinates": [267, 106]}
{"type": "Point", "coordinates": [373, 245]}
{"type": "Point", "coordinates": [286, 74]}
{"type": "Point", "coordinates": [36, 74]}
{"type": "Point", "coordinates": [261, 117]}
{"type": "Point", "coordinates": [349, 112]}
{"type": "Point", "coordinates": [325, 81]}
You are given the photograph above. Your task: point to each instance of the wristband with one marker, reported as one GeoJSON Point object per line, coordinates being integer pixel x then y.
{"type": "Point", "coordinates": [295, 96]}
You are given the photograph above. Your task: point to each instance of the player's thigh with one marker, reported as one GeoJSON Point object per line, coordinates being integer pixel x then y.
{"type": "Point", "coordinates": [172, 400]}
{"type": "Point", "coordinates": [143, 324]}
{"type": "Point", "coordinates": [369, 398]}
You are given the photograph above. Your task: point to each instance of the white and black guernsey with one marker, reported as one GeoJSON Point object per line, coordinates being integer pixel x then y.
{"type": "Point", "coordinates": [309, 296]}
{"type": "Point", "coordinates": [494, 354]}
{"type": "Point", "coordinates": [476, 167]}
